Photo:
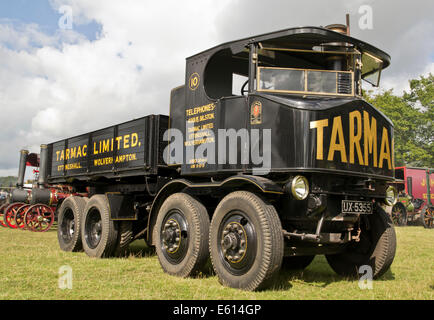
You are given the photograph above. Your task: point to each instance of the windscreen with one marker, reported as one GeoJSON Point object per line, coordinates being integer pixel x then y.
{"type": "Point", "coordinates": [287, 80]}
{"type": "Point", "coordinates": [371, 69]}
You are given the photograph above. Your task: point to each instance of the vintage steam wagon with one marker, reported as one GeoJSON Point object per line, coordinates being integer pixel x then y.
{"type": "Point", "coordinates": [415, 188]}
{"type": "Point", "coordinates": [291, 164]}
{"type": "Point", "coordinates": [32, 208]}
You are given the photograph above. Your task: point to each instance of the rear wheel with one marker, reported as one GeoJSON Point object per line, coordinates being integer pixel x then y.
{"type": "Point", "coordinates": [399, 214]}
{"type": "Point", "coordinates": [69, 218]}
{"type": "Point", "coordinates": [246, 241]}
{"type": "Point", "coordinates": [181, 235]}
{"type": "Point", "coordinates": [9, 213]}
{"type": "Point", "coordinates": [427, 217]}
{"type": "Point", "coordinates": [376, 248]}
{"type": "Point", "coordinates": [2, 209]}
{"type": "Point", "coordinates": [99, 234]}
{"type": "Point", "coordinates": [19, 216]}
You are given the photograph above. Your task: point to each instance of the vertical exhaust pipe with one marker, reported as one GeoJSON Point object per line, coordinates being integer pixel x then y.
{"type": "Point", "coordinates": [348, 24]}
{"type": "Point", "coordinates": [19, 194]}
{"type": "Point", "coordinates": [22, 168]}
{"type": "Point", "coordinates": [43, 162]}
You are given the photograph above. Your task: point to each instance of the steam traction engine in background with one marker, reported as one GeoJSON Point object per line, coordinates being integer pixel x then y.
{"type": "Point", "coordinates": [32, 208]}
{"type": "Point", "coordinates": [290, 164]}
{"type": "Point", "coordinates": [415, 188]}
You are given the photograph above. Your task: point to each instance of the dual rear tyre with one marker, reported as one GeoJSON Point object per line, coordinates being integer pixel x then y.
{"type": "Point", "coordinates": [84, 224]}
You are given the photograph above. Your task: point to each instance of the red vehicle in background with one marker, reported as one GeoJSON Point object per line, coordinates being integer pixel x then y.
{"type": "Point", "coordinates": [415, 188]}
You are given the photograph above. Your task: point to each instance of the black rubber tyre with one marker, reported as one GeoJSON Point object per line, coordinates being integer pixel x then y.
{"type": "Point", "coordinates": [399, 214]}
{"type": "Point", "coordinates": [68, 223]}
{"type": "Point", "coordinates": [376, 248]}
{"type": "Point", "coordinates": [297, 262]}
{"type": "Point", "coordinates": [181, 235]}
{"type": "Point", "coordinates": [125, 237]}
{"type": "Point", "coordinates": [99, 234]}
{"type": "Point", "coordinates": [246, 241]}
{"type": "Point", "coordinates": [426, 217]}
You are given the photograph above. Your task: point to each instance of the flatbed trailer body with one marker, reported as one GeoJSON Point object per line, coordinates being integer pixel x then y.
{"type": "Point", "coordinates": [133, 148]}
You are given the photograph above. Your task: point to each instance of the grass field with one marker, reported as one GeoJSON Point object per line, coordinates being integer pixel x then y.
{"type": "Point", "coordinates": [30, 262]}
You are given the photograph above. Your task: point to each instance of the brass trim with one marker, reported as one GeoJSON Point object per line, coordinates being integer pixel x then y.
{"type": "Point", "coordinates": [310, 51]}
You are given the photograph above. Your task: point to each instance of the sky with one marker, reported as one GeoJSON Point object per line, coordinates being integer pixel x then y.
{"type": "Point", "coordinates": [68, 67]}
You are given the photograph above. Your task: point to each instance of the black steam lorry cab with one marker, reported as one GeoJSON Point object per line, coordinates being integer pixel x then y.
{"type": "Point", "coordinates": [269, 157]}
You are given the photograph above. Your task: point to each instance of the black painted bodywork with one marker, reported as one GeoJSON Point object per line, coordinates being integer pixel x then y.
{"type": "Point", "coordinates": [138, 151]}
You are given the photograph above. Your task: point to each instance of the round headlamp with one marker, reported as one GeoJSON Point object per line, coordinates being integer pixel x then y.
{"type": "Point", "coordinates": [391, 196]}
{"type": "Point", "coordinates": [300, 187]}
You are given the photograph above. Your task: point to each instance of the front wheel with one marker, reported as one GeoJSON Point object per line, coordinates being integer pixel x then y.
{"type": "Point", "coordinates": [376, 248]}
{"type": "Point", "coordinates": [246, 241]}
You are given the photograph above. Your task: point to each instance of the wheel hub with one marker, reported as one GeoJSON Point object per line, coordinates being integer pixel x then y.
{"type": "Point", "coordinates": [171, 236]}
{"type": "Point", "coordinates": [234, 242]}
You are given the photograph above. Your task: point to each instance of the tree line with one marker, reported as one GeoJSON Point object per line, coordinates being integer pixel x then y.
{"type": "Point", "coordinates": [412, 115]}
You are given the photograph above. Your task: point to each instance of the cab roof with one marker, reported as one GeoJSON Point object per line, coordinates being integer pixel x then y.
{"type": "Point", "coordinates": [298, 38]}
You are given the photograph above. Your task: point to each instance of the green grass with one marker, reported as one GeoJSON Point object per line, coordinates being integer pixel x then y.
{"type": "Point", "coordinates": [30, 262]}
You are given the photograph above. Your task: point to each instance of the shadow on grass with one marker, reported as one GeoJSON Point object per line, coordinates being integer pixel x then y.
{"type": "Point", "coordinates": [318, 274]}
{"type": "Point", "coordinates": [139, 249]}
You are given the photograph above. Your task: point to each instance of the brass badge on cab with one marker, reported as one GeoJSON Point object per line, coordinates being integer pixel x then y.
{"type": "Point", "coordinates": [256, 113]}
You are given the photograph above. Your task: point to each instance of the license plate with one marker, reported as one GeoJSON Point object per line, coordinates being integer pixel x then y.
{"type": "Point", "coordinates": [357, 207]}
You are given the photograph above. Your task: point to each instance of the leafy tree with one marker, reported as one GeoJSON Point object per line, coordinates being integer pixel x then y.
{"type": "Point", "coordinates": [412, 116]}
{"type": "Point", "coordinates": [421, 97]}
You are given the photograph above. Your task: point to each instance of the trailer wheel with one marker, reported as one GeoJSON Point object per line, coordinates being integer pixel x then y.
{"type": "Point", "coordinates": [399, 214]}
{"type": "Point", "coordinates": [427, 217]}
{"type": "Point", "coordinates": [297, 262]}
{"type": "Point", "coordinates": [376, 248]}
{"type": "Point", "coordinates": [246, 241]}
{"type": "Point", "coordinates": [181, 234]}
{"type": "Point", "coordinates": [99, 234]}
{"type": "Point", "coordinates": [69, 219]}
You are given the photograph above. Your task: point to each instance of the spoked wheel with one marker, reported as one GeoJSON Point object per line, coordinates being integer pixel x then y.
{"type": "Point", "coordinates": [19, 216]}
{"type": "Point", "coordinates": [246, 241]}
{"type": "Point", "coordinates": [9, 213]}
{"type": "Point", "coordinates": [399, 214]}
{"type": "Point", "coordinates": [427, 217]}
{"type": "Point", "coordinates": [2, 210]}
{"type": "Point", "coordinates": [39, 218]}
